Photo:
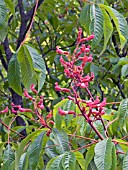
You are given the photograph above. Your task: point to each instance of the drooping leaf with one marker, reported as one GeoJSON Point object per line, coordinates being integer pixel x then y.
{"type": "Point", "coordinates": [114, 158]}
{"type": "Point", "coordinates": [23, 163]}
{"type": "Point", "coordinates": [14, 75]}
{"type": "Point", "coordinates": [57, 144]}
{"type": "Point", "coordinates": [89, 156]}
{"type": "Point", "coordinates": [120, 23]}
{"type": "Point", "coordinates": [61, 138]}
{"type": "Point", "coordinates": [39, 66]}
{"type": "Point", "coordinates": [27, 66]}
{"type": "Point", "coordinates": [85, 17]}
{"type": "Point", "coordinates": [125, 161]}
{"type": "Point", "coordinates": [9, 157]}
{"type": "Point", "coordinates": [3, 31]}
{"type": "Point", "coordinates": [96, 25]}
{"type": "Point", "coordinates": [107, 28]}
{"type": "Point", "coordinates": [123, 112]}
{"type": "Point", "coordinates": [3, 13]}
{"type": "Point", "coordinates": [69, 161]}
{"type": "Point", "coordinates": [103, 155]}
{"type": "Point", "coordinates": [35, 150]}
{"type": "Point", "coordinates": [21, 148]}
{"type": "Point", "coordinates": [80, 159]}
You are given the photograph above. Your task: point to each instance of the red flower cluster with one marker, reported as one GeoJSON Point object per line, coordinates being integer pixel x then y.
{"type": "Point", "coordinates": [81, 54]}
{"type": "Point", "coordinates": [75, 71]}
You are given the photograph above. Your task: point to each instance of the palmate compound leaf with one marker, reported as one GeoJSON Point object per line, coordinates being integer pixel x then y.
{"type": "Point", "coordinates": [14, 75]}
{"type": "Point", "coordinates": [66, 161]}
{"type": "Point", "coordinates": [21, 149]}
{"type": "Point", "coordinates": [57, 144]}
{"type": "Point", "coordinates": [39, 66]}
{"type": "Point", "coordinates": [125, 161]}
{"type": "Point", "coordinates": [120, 23]}
{"type": "Point", "coordinates": [96, 25]}
{"type": "Point", "coordinates": [103, 155]}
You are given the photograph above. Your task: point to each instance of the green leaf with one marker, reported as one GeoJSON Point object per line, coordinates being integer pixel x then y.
{"type": "Point", "coordinates": [9, 157]}
{"type": "Point", "coordinates": [69, 105]}
{"type": "Point", "coordinates": [35, 150]}
{"type": "Point", "coordinates": [55, 163]}
{"type": "Point", "coordinates": [3, 13]}
{"type": "Point", "coordinates": [39, 66]}
{"type": "Point", "coordinates": [123, 61]}
{"type": "Point", "coordinates": [124, 71]}
{"type": "Point", "coordinates": [85, 17]}
{"type": "Point", "coordinates": [120, 23]}
{"type": "Point", "coordinates": [89, 156]}
{"type": "Point", "coordinates": [23, 163]}
{"type": "Point", "coordinates": [114, 158]}
{"type": "Point", "coordinates": [27, 68]}
{"type": "Point", "coordinates": [69, 161]}
{"type": "Point", "coordinates": [14, 77]}
{"type": "Point", "coordinates": [103, 155]}
{"type": "Point", "coordinates": [95, 69]}
{"type": "Point", "coordinates": [125, 161]}
{"type": "Point", "coordinates": [61, 139]}
{"type": "Point", "coordinates": [123, 112]}
{"type": "Point", "coordinates": [107, 28]}
{"type": "Point", "coordinates": [80, 159]}
{"type": "Point", "coordinates": [57, 144]}
{"type": "Point", "coordinates": [3, 31]}
{"type": "Point", "coordinates": [22, 146]}
{"type": "Point", "coordinates": [96, 25]}
{"type": "Point", "coordinates": [10, 5]}
{"type": "Point", "coordinates": [57, 117]}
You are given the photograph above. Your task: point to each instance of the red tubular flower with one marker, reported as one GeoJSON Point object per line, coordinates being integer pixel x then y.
{"type": "Point", "coordinates": [65, 90]}
{"type": "Point", "coordinates": [13, 111]}
{"type": "Point", "coordinates": [4, 111]}
{"type": "Point", "coordinates": [62, 112]}
{"type": "Point", "coordinates": [40, 106]}
{"type": "Point", "coordinates": [51, 122]}
{"type": "Point", "coordinates": [71, 112]}
{"type": "Point", "coordinates": [57, 87]}
{"type": "Point", "coordinates": [25, 110]}
{"type": "Point", "coordinates": [48, 132]}
{"type": "Point", "coordinates": [27, 95]}
{"type": "Point", "coordinates": [32, 87]}
{"type": "Point", "coordinates": [42, 121]}
{"type": "Point", "coordinates": [49, 116]}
